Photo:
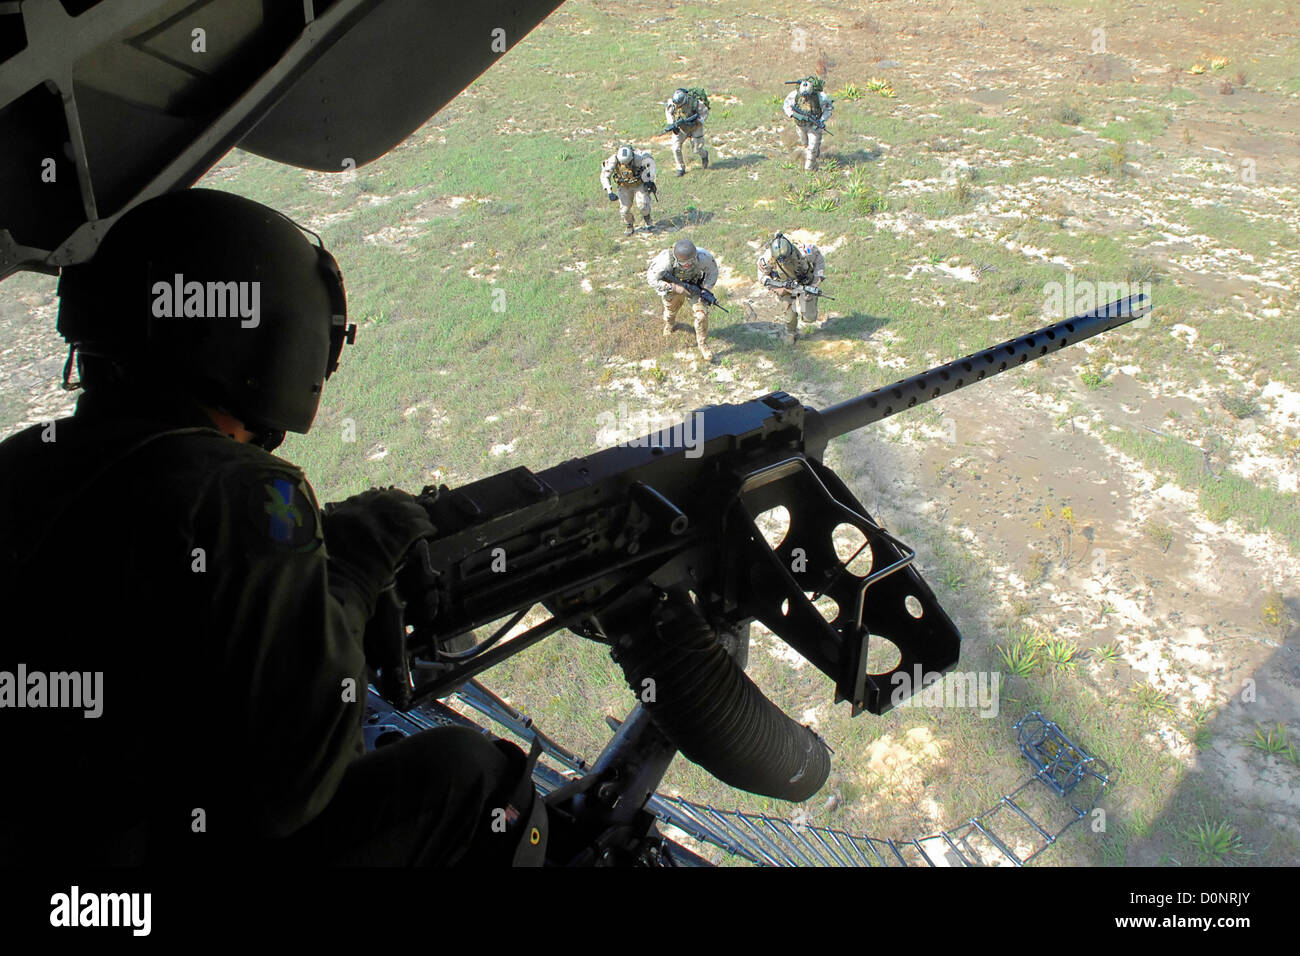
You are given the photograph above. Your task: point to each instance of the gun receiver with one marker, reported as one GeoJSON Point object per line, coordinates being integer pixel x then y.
{"type": "Point", "coordinates": [599, 541]}
{"type": "Point", "coordinates": [707, 297]}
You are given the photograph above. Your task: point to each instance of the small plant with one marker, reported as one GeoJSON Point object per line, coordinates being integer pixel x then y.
{"type": "Point", "coordinates": [850, 92]}
{"type": "Point", "coordinates": [831, 164]}
{"type": "Point", "coordinates": [954, 581]}
{"type": "Point", "coordinates": [1037, 569]}
{"type": "Point", "coordinates": [1226, 89]}
{"type": "Point", "coordinates": [1152, 701]}
{"type": "Point", "coordinates": [1187, 135]}
{"type": "Point", "coordinates": [1113, 160]}
{"type": "Point", "coordinates": [1275, 614]}
{"type": "Point", "coordinates": [961, 192]}
{"type": "Point", "coordinates": [1274, 742]}
{"type": "Point", "coordinates": [1068, 116]}
{"type": "Point", "coordinates": [883, 87]}
{"type": "Point", "coordinates": [1020, 658]}
{"type": "Point", "coordinates": [657, 374]}
{"type": "Point", "coordinates": [1216, 842]}
{"type": "Point", "coordinates": [1197, 69]}
{"type": "Point", "coordinates": [1021, 609]}
{"type": "Point", "coordinates": [1093, 380]}
{"type": "Point", "coordinates": [1238, 406]}
{"type": "Point", "coordinates": [933, 258]}
{"type": "Point", "coordinates": [827, 204]}
{"type": "Point", "coordinates": [1160, 533]}
{"type": "Point", "coordinates": [1107, 652]}
{"type": "Point", "coordinates": [1060, 654]}
{"type": "Point", "coordinates": [789, 165]}
{"type": "Point", "coordinates": [870, 202]}
{"type": "Point", "coordinates": [1200, 735]}
{"type": "Point", "coordinates": [1219, 63]}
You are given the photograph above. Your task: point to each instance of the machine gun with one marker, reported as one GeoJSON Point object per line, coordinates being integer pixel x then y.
{"type": "Point", "coordinates": [707, 297]}
{"type": "Point", "coordinates": [609, 545]}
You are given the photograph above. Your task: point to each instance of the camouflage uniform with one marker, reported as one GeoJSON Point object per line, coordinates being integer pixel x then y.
{"type": "Point", "coordinates": [814, 104]}
{"type": "Point", "coordinates": [630, 182]}
{"type": "Point", "coordinates": [691, 131]}
{"type": "Point", "coordinates": [703, 274]}
{"type": "Point", "coordinates": [810, 269]}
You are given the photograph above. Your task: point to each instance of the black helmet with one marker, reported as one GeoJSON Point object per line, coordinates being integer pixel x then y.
{"type": "Point", "coordinates": [217, 295]}
{"type": "Point", "coordinates": [684, 252]}
{"type": "Point", "coordinates": [680, 96]}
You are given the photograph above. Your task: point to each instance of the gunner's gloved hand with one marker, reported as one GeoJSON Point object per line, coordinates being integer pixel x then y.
{"type": "Point", "coordinates": [613, 197]}
{"type": "Point", "coordinates": [368, 535]}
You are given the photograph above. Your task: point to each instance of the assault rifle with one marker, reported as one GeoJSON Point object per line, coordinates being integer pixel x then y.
{"type": "Point", "coordinates": [792, 285]}
{"type": "Point", "coordinates": [676, 126]}
{"type": "Point", "coordinates": [599, 545]}
{"type": "Point", "coordinates": [707, 297]}
{"type": "Point", "coordinates": [808, 118]}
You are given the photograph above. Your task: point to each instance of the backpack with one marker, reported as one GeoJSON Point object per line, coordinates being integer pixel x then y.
{"type": "Point", "coordinates": [700, 96]}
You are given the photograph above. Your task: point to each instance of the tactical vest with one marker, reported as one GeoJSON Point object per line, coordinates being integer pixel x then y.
{"type": "Point", "coordinates": [810, 104]}
{"type": "Point", "coordinates": [625, 175]}
{"type": "Point", "coordinates": [689, 108]}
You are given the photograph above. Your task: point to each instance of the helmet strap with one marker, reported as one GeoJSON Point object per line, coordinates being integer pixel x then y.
{"type": "Point", "coordinates": [68, 384]}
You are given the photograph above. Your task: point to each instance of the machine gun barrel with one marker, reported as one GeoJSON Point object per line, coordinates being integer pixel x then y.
{"type": "Point", "coordinates": [877, 405]}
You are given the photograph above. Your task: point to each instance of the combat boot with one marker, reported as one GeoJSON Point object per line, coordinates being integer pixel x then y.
{"type": "Point", "coordinates": [628, 229]}
{"type": "Point", "coordinates": [789, 338]}
{"type": "Point", "coordinates": [648, 224]}
{"type": "Point", "coordinates": [704, 160]}
{"type": "Point", "coordinates": [681, 171]}
{"type": "Point", "coordinates": [706, 353]}
{"type": "Point", "coordinates": [670, 328]}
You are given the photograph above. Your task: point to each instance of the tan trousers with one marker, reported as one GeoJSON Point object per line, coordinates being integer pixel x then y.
{"type": "Point", "coordinates": [798, 307]}
{"type": "Point", "coordinates": [673, 302]}
{"type": "Point", "coordinates": [697, 143]}
{"type": "Point", "coordinates": [810, 138]}
{"type": "Point", "coordinates": [630, 195]}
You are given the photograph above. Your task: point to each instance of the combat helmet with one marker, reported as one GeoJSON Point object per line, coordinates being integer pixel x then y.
{"type": "Point", "coordinates": [685, 253]}
{"type": "Point", "coordinates": [218, 297]}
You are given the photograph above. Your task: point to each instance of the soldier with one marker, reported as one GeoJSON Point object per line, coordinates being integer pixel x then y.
{"type": "Point", "coordinates": [788, 270]}
{"type": "Point", "coordinates": [810, 108]}
{"type": "Point", "coordinates": [684, 263]}
{"type": "Point", "coordinates": [632, 173]}
{"type": "Point", "coordinates": [152, 539]}
{"type": "Point", "coordinates": [685, 114]}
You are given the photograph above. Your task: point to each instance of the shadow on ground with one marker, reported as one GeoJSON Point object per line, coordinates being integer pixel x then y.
{"type": "Point", "coordinates": [736, 162]}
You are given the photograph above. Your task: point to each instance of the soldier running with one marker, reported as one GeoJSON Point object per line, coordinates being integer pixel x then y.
{"type": "Point", "coordinates": [685, 114]}
{"type": "Point", "coordinates": [810, 108]}
{"type": "Point", "coordinates": [629, 177]}
{"type": "Point", "coordinates": [671, 272]}
{"type": "Point", "coordinates": [790, 270]}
